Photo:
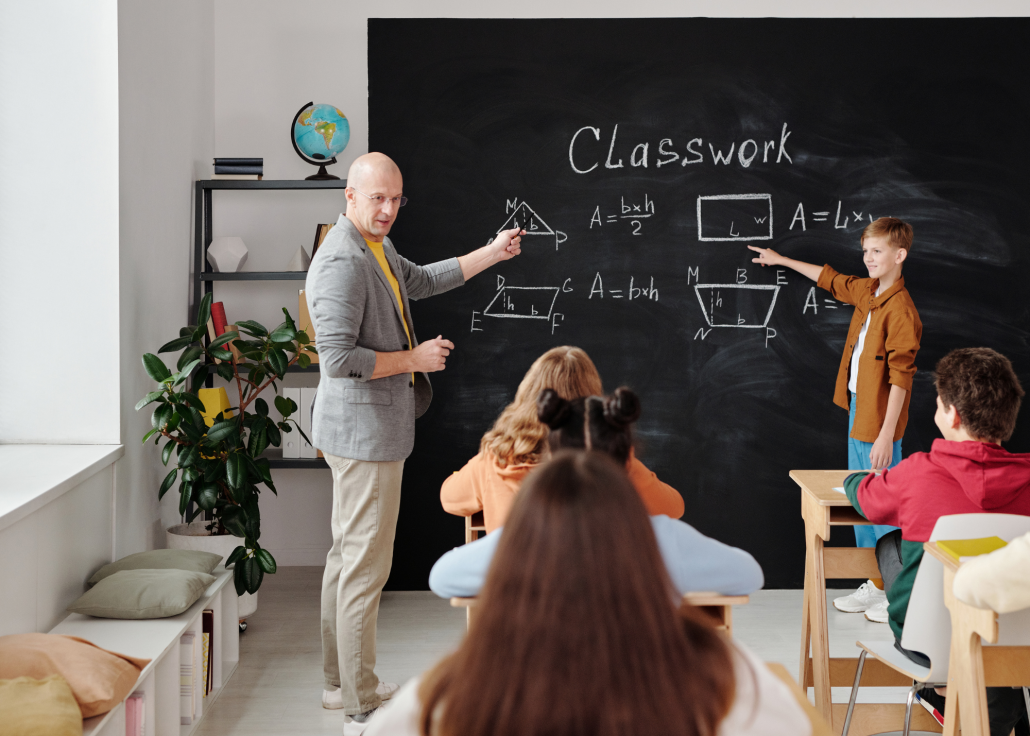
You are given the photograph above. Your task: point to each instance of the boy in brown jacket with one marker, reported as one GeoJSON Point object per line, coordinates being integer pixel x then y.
{"type": "Point", "coordinates": [876, 368]}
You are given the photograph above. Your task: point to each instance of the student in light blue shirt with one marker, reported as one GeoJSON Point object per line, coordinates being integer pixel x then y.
{"type": "Point", "coordinates": [694, 562]}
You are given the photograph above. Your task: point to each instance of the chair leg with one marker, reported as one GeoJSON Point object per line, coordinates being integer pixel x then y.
{"type": "Point", "coordinates": [854, 692]}
{"type": "Point", "coordinates": [908, 706]}
{"type": "Point", "coordinates": [1026, 699]}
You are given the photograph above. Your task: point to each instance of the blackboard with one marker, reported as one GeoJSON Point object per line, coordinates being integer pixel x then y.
{"type": "Point", "coordinates": [647, 153]}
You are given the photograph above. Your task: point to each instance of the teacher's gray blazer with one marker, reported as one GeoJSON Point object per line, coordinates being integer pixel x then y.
{"type": "Point", "coordinates": [355, 314]}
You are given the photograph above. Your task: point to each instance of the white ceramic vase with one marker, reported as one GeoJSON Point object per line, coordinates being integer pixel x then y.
{"type": "Point", "coordinates": [195, 536]}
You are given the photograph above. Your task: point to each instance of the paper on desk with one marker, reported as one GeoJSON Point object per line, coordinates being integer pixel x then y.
{"type": "Point", "coordinates": [840, 489]}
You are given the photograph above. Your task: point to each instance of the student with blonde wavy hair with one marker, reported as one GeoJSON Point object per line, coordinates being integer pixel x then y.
{"type": "Point", "coordinates": [578, 633]}
{"type": "Point", "coordinates": [518, 442]}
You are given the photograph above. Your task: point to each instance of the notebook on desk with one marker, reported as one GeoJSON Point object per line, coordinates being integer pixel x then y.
{"type": "Point", "coordinates": [962, 548]}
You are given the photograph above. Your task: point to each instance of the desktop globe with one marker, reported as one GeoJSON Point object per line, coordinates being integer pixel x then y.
{"type": "Point", "coordinates": [319, 133]}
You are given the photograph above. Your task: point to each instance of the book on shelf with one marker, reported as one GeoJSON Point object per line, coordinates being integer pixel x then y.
{"type": "Point", "coordinates": [321, 231]}
{"type": "Point", "coordinates": [237, 177]}
{"type": "Point", "coordinates": [208, 626]}
{"type": "Point", "coordinates": [187, 668]}
{"type": "Point", "coordinates": [252, 170]}
{"type": "Point", "coordinates": [238, 161]}
{"type": "Point", "coordinates": [135, 714]}
{"type": "Point", "coordinates": [958, 549]}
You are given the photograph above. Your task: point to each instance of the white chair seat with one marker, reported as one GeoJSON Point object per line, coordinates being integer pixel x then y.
{"type": "Point", "coordinates": [889, 655]}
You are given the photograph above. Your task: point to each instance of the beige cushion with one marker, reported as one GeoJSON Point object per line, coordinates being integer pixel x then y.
{"type": "Point", "coordinates": [44, 707]}
{"type": "Point", "coordinates": [161, 559]}
{"type": "Point", "coordinates": [99, 679]}
{"type": "Point", "coordinates": [136, 594]}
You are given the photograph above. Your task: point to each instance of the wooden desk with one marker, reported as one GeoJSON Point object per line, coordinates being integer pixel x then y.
{"type": "Point", "coordinates": [819, 726]}
{"type": "Point", "coordinates": [971, 668]}
{"type": "Point", "coordinates": [823, 508]}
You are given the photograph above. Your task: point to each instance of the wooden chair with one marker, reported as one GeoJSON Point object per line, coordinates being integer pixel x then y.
{"type": "Point", "coordinates": [928, 622]}
{"type": "Point", "coordinates": [474, 525]}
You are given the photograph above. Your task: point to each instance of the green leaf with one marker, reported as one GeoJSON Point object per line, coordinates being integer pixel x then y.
{"type": "Point", "coordinates": [186, 331]}
{"type": "Point", "coordinates": [283, 333]}
{"type": "Point", "coordinates": [190, 430]}
{"type": "Point", "coordinates": [282, 405]}
{"type": "Point", "coordinates": [235, 470]}
{"type": "Point", "coordinates": [224, 338]}
{"type": "Point", "coordinates": [167, 483]}
{"type": "Point", "coordinates": [155, 367]}
{"type": "Point", "coordinates": [185, 372]}
{"type": "Point", "coordinates": [193, 400]}
{"type": "Point", "coordinates": [254, 329]}
{"type": "Point", "coordinates": [302, 337]}
{"type": "Point", "coordinates": [237, 554]}
{"type": "Point", "coordinates": [149, 434]}
{"type": "Point", "coordinates": [207, 495]}
{"type": "Point", "coordinates": [184, 498]}
{"type": "Point", "coordinates": [261, 407]}
{"type": "Point", "coordinates": [161, 416]}
{"type": "Point", "coordinates": [232, 520]}
{"type": "Point", "coordinates": [274, 437]}
{"type": "Point", "coordinates": [278, 360]}
{"type": "Point", "coordinates": [199, 332]}
{"type": "Point", "coordinates": [149, 399]}
{"type": "Point", "coordinates": [220, 431]}
{"type": "Point", "coordinates": [238, 581]}
{"type": "Point", "coordinates": [191, 353]}
{"type": "Point", "coordinates": [204, 312]}
{"type": "Point", "coordinates": [252, 574]}
{"type": "Point", "coordinates": [306, 439]}
{"type": "Point", "coordinates": [166, 451]}
{"type": "Point", "coordinates": [173, 422]}
{"type": "Point", "coordinates": [225, 371]}
{"type": "Point", "coordinates": [187, 454]}
{"type": "Point", "coordinates": [177, 344]}
{"type": "Point", "coordinates": [221, 354]}
{"type": "Point", "coordinates": [190, 474]}
{"type": "Point", "coordinates": [284, 427]}
{"type": "Point", "coordinates": [200, 377]}
{"type": "Point", "coordinates": [265, 560]}
{"type": "Point", "coordinates": [264, 469]}
{"type": "Point", "coordinates": [258, 441]}
{"type": "Point", "coordinates": [197, 511]}
{"type": "Point", "coordinates": [303, 360]}
{"type": "Point", "coordinates": [289, 320]}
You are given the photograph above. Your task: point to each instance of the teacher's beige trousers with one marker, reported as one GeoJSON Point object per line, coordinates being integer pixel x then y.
{"type": "Point", "coordinates": [366, 502]}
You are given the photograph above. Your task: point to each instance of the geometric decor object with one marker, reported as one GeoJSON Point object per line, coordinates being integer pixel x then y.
{"type": "Point", "coordinates": [227, 254]}
{"type": "Point", "coordinates": [300, 261]}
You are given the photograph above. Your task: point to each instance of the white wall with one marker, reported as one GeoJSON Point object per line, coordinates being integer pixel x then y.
{"type": "Point", "coordinates": [166, 99]}
{"type": "Point", "coordinates": [59, 222]}
{"type": "Point", "coordinates": [270, 59]}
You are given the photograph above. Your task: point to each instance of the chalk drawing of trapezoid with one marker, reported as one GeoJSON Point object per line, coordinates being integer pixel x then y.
{"type": "Point", "coordinates": [737, 305]}
{"type": "Point", "coordinates": [735, 217]}
{"type": "Point", "coordinates": [526, 218]}
{"type": "Point", "coordinates": [523, 302]}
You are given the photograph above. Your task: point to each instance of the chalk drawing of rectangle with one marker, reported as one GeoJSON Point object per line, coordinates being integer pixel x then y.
{"type": "Point", "coordinates": [751, 309]}
{"type": "Point", "coordinates": [521, 302]}
{"type": "Point", "coordinates": [723, 217]}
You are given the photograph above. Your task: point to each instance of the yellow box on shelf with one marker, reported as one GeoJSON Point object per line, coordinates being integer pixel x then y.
{"type": "Point", "coordinates": [215, 400]}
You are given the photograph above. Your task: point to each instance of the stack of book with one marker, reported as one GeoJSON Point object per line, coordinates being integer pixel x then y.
{"type": "Point", "coordinates": [239, 168]}
{"type": "Point", "coordinates": [135, 714]}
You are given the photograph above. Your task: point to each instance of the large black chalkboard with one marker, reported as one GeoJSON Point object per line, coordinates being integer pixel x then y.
{"type": "Point", "coordinates": [826, 122]}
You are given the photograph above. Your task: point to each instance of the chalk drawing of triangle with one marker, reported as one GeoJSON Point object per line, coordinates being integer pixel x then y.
{"type": "Point", "coordinates": [528, 220]}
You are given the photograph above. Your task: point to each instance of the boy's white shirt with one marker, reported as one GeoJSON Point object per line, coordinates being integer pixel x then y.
{"type": "Point", "coordinates": [853, 383]}
{"type": "Point", "coordinates": [771, 711]}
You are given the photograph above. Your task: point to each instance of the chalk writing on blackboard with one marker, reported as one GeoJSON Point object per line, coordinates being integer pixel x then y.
{"type": "Point", "coordinates": [748, 306]}
{"type": "Point", "coordinates": [525, 217]}
{"type": "Point", "coordinates": [636, 290]}
{"type": "Point", "coordinates": [723, 217]}
{"type": "Point", "coordinates": [633, 213]}
{"type": "Point", "coordinates": [824, 216]}
{"type": "Point", "coordinates": [811, 302]}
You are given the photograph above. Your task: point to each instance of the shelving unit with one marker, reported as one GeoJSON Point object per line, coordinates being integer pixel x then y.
{"type": "Point", "coordinates": [204, 278]}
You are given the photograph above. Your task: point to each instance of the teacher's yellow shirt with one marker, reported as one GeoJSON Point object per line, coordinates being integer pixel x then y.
{"type": "Point", "coordinates": [377, 251]}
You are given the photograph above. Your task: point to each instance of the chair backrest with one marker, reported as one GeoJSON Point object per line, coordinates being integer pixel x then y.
{"type": "Point", "coordinates": [932, 633]}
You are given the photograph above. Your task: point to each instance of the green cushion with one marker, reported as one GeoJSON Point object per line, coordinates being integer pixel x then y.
{"type": "Point", "coordinates": [161, 559]}
{"type": "Point", "coordinates": [137, 594]}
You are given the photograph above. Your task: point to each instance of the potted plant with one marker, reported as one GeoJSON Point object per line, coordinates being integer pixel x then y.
{"type": "Point", "coordinates": [219, 467]}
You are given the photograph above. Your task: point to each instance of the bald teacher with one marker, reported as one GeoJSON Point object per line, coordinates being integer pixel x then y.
{"type": "Point", "coordinates": [373, 386]}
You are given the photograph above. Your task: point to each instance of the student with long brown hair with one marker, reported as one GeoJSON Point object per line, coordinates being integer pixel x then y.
{"type": "Point", "coordinates": [578, 634]}
{"type": "Point", "coordinates": [518, 442]}
{"type": "Point", "coordinates": [694, 562]}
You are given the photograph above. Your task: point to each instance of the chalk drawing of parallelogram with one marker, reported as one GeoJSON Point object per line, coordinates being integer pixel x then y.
{"type": "Point", "coordinates": [724, 217]}
{"type": "Point", "coordinates": [737, 305]}
{"type": "Point", "coordinates": [526, 218]}
{"type": "Point", "coordinates": [523, 302]}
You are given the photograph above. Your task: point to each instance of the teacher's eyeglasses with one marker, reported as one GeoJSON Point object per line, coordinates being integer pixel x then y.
{"type": "Point", "coordinates": [379, 199]}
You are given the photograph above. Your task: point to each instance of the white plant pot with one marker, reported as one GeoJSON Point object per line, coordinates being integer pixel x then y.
{"type": "Point", "coordinates": [195, 536]}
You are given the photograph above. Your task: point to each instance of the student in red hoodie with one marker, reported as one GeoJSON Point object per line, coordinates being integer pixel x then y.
{"type": "Point", "coordinates": [967, 472]}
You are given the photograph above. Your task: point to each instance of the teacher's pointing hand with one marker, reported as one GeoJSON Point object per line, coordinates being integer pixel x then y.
{"type": "Point", "coordinates": [431, 356]}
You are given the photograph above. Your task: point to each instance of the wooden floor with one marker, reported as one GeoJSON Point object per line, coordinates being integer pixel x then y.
{"type": "Point", "coordinates": [277, 688]}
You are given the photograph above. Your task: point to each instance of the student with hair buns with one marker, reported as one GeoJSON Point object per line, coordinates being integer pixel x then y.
{"type": "Point", "coordinates": [577, 630]}
{"type": "Point", "coordinates": [603, 425]}
{"type": "Point", "coordinates": [517, 443]}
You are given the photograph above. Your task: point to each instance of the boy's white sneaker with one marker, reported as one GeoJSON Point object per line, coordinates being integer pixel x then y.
{"type": "Point", "coordinates": [877, 613]}
{"type": "Point", "coordinates": [356, 724]}
{"type": "Point", "coordinates": [861, 600]}
{"type": "Point", "coordinates": [333, 699]}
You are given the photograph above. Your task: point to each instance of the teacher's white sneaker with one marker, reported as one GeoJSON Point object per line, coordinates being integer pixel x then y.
{"type": "Point", "coordinates": [333, 699]}
{"type": "Point", "coordinates": [863, 599]}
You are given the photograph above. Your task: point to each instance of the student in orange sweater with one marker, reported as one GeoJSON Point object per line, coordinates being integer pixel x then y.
{"type": "Point", "coordinates": [517, 443]}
